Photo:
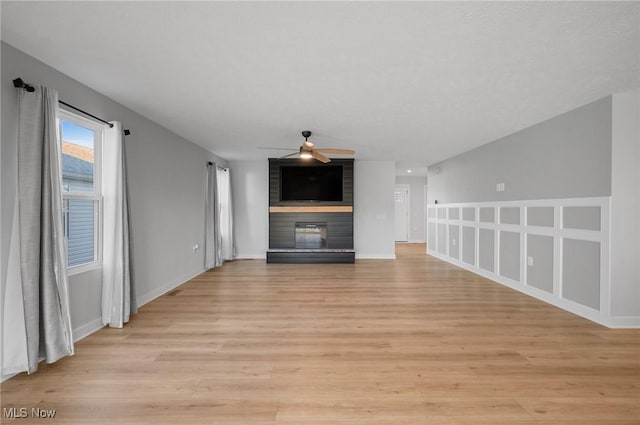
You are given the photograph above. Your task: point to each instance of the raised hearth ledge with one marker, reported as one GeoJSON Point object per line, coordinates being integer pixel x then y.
{"type": "Point", "coordinates": [311, 256]}
{"type": "Point", "coordinates": [314, 209]}
{"type": "Point", "coordinates": [311, 250]}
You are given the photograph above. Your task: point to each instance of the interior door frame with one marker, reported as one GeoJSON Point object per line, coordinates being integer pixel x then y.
{"type": "Point", "coordinates": [424, 216]}
{"type": "Point", "coordinates": [408, 187]}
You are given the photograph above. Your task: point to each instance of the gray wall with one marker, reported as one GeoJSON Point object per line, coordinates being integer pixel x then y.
{"type": "Point", "coordinates": [416, 206]}
{"type": "Point", "coordinates": [540, 273]}
{"type": "Point", "coordinates": [581, 272]}
{"type": "Point", "coordinates": [167, 188]}
{"type": "Point", "coordinates": [625, 206]}
{"type": "Point", "coordinates": [510, 255]}
{"type": "Point", "coordinates": [250, 194]}
{"type": "Point", "coordinates": [568, 156]}
{"type": "Point", "coordinates": [374, 209]}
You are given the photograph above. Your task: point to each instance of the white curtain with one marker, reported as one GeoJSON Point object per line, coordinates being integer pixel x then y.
{"type": "Point", "coordinates": [219, 243]}
{"type": "Point", "coordinates": [36, 319]}
{"type": "Point", "coordinates": [14, 343]}
{"type": "Point", "coordinates": [211, 257]}
{"type": "Point", "coordinates": [224, 209]}
{"type": "Point", "coordinates": [117, 289]}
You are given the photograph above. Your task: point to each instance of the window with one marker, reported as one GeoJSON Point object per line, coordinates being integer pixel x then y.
{"type": "Point", "coordinates": [81, 143]}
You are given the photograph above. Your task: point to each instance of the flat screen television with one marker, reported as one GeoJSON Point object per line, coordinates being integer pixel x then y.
{"type": "Point", "coordinates": [315, 183]}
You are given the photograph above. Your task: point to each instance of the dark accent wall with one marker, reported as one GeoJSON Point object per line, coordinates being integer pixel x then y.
{"type": "Point", "coordinates": [339, 229]}
{"type": "Point", "coordinates": [282, 225]}
{"type": "Point", "coordinates": [274, 181]}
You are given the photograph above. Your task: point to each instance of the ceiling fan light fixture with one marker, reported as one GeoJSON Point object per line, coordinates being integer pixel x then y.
{"type": "Point", "coordinates": [308, 150]}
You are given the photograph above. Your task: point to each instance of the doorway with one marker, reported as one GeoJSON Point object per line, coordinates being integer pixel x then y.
{"type": "Point", "coordinates": [401, 196]}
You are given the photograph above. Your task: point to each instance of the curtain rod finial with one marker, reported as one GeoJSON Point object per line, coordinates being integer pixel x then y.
{"type": "Point", "coordinates": [127, 132]}
{"type": "Point", "coordinates": [210, 163]}
{"type": "Point", "coordinates": [20, 84]}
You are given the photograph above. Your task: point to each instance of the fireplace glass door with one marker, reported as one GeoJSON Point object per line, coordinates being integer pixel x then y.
{"type": "Point", "coordinates": [311, 235]}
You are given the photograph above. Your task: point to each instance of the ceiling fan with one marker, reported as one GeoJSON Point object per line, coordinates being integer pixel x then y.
{"type": "Point", "coordinates": [308, 150]}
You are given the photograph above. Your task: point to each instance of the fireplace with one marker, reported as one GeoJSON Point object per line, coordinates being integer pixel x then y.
{"type": "Point", "coordinates": [311, 235]}
{"type": "Point", "coordinates": [303, 231]}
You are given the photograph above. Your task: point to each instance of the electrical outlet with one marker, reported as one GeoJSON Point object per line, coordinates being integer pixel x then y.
{"type": "Point", "coordinates": [529, 261]}
{"type": "Point", "coordinates": [500, 187]}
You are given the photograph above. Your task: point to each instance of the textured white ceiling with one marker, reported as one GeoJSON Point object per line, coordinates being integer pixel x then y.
{"type": "Point", "coordinates": [416, 81]}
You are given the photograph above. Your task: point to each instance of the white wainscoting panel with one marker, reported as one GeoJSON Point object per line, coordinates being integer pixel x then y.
{"type": "Point", "coordinates": [511, 243]}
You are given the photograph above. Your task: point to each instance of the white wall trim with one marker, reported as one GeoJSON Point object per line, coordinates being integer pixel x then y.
{"type": "Point", "coordinates": [415, 241]}
{"type": "Point", "coordinates": [87, 329]}
{"type": "Point", "coordinates": [78, 333]}
{"type": "Point", "coordinates": [158, 292]}
{"type": "Point", "coordinates": [424, 214]}
{"type": "Point", "coordinates": [408, 189]}
{"type": "Point", "coordinates": [623, 322]}
{"type": "Point", "coordinates": [93, 326]}
{"type": "Point", "coordinates": [375, 256]}
{"type": "Point", "coordinates": [567, 305]}
{"type": "Point", "coordinates": [261, 256]}
{"type": "Point", "coordinates": [600, 315]}
{"type": "Point", "coordinates": [9, 376]}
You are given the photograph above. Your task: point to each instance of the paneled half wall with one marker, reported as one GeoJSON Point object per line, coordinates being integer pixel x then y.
{"type": "Point", "coordinates": [555, 250]}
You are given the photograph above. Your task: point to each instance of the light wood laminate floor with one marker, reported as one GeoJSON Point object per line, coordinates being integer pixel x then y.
{"type": "Point", "coordinates": [381, 342]}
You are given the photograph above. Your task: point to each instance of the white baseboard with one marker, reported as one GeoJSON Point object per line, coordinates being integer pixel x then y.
{"type": "Point", "coordinates": [416, 241]}
{"type": "Point", "coordinates": [95, 325]}
{"type": "Point", "coordinates": [87, 329]}
{"type": "Point", "coordinates": [624, 322]}
{"type": "Point", "coordinates": [158, 292]}
{"type": "Point", "coordinates": [441, 222]}
{"type": "Point", "coordinates": [9, 376]}
{"type": "Point", "coordinates": [564, 304]}
{"type": "Point", "coordinates": [375, 256]}
{"type": "Point", "coordinates": [78, 333]}
{"type": "Point", "coordinates": [262, 256]}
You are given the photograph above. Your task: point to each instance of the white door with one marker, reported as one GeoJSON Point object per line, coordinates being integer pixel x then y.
{"type": "Point", "coordinates": [402, 213]}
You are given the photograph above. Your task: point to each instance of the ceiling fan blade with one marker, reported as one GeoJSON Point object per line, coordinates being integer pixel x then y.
{"type": "Point", "coordinates": [276, 149]}
{"type": "Point", "coordinates": [290, 155]}
{"type": "Point", "coordinates": [337, 151]}
{"type": "Point", "coordinates": [320, 157]}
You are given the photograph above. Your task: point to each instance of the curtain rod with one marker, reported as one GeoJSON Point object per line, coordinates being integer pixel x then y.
{"type": "Point", "coordinates": [20, 84]}
{"type": "Point", "coordinates": [217, 166]}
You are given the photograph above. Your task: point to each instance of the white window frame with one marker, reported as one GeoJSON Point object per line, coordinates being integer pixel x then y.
{"type": "Point", "coordinates": [96, 195]}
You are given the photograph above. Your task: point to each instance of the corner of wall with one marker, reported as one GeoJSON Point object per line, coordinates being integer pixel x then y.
{"type": "Point", "coordinates": [625, 208]}
{"type": "Point", "coordinates": [374, 209]}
